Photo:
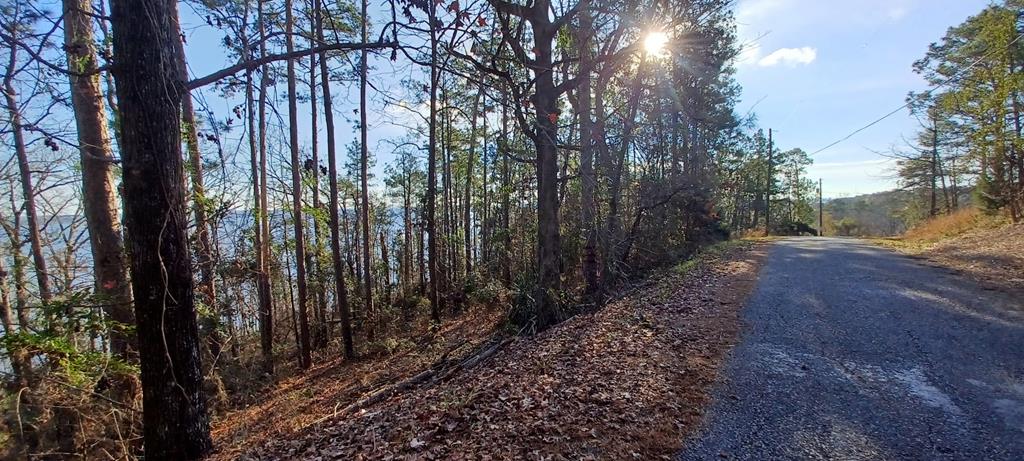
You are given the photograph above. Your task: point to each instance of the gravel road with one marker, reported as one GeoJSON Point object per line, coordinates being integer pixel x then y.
{"type": "Point", "coordinates": [853, 352]}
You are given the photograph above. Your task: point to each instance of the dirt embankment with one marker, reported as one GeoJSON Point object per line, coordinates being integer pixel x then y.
{"type": "Point", "coordinates": [629, 381]}
{"type": "Point", "coordinates": [983, 248]}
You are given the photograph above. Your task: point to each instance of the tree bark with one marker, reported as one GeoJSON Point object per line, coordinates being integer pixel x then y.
{"type": "Point", "coordinates": [588, 185]}
{"type": "Point", "coordinates": [261, 230]}
{"type": "Point", "coordinates": [436, 305]}
{"type": "Point", "coordinates": [205, 259]}
{"type": "Point", "coordinates": [149, 90]}
{"type": "Point", "coordinates": [545, 101]}
{"type": "Point", "coordinates": [332, 171]}
{"type": "Point", "coordinates": [371, 315]}
{"type": "Point", "coordinates": [305, 357]}
{"type": "Point", "coordinates": [28, 190]}
{"type": "Point", "coordinates": [320, 329]}
{"type": "Point", "coordinates": [467, 227]}
{"type": "Point", "coordinates": [100, 201]}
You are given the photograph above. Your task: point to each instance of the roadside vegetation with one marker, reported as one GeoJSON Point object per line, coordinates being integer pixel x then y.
{"type": "Point", "coordinates": [365, 191]}
{"type": "Point", "coordinates": [986, 248]}
{"type": "Point", "coordinates": [969, 149]}
{"type": "Point", "coordinates": [627, 381]}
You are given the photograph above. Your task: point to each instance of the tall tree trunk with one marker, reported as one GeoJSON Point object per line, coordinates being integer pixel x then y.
{"type": "Point", "coordinates": [320, 329]}
{"type": "Point", "coordinates": [205, 255]}
{"type": "Point", "coordinates": [934, 204]}
{"type": "Point", "coordinates": [305, 357]}
{"type": "Point", "coordinates": [28, 190]}
{"type": "Point", "coordinates": [100, 202]}
{"type": "Point", "coordinates": [436, 305]}
{"type": "Point", "coordinates": [447, 218]}
{"type": "Point", "coordinates": [407, 230]}
{"type": "Point", "coordinates": [485, 222]}
{"type": "Point", "coordinates": [467, 227]}
{"type": "Point", "coordinates": [506, 197]}
{"type": "Point", "coordinates": [364, 159]}
{"type": "Point", "coordinates": [332, 171]}
{"type": "Point", "coordinates": [261, 230]}
{"type": "Point", "coordinates": [588, 185]}
{"type": "Point", "coordinates": [149, 90]}
{"type": "Point", "coordinates": [545, 102]}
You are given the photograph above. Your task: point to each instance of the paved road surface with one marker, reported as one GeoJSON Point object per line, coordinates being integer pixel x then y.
{"type": "Point", "coordinates": [854, 352]}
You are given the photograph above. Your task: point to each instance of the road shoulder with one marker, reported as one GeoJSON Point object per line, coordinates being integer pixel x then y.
{"type": "Point", "coordinates": [992, 257]}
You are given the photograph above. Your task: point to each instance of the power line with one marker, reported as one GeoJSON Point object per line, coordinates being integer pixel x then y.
{"type": "Point", "coordinates": [907, 104]}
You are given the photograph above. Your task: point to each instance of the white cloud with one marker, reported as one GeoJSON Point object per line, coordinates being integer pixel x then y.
{"type": "Point", "coordinates": [790, 57]}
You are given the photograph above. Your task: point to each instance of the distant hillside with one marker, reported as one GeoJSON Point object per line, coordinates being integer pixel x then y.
{"type": "Point", "coordinates": [878, 214]}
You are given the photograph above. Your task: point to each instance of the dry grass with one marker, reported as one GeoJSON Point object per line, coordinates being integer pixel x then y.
{"type": "Point", "coordinates": [945, 227]}
{"type": "Point", "coordinates": [984, 248]}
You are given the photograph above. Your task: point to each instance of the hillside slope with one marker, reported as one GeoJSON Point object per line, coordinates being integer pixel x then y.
{"type": "Point", "coordinates": [627, 381]}
{"type": "Point", "coordinates": [986, 249]}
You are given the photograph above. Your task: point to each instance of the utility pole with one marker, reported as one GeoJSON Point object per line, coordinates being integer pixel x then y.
{"type": "Point", "coordinates": [768, 190]}
{"type": "Point", "coordinates": [821, 212]}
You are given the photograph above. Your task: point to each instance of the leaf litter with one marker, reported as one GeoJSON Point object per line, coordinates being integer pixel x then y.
{"type": "Point", "coordinates": [628, 381]}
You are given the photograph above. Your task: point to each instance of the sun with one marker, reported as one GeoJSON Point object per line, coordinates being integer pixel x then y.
{"type": "Point", "coordinates": [655, 44]}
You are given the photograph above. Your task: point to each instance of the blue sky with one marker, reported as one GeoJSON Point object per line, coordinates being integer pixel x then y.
{"type": "Point", "coordinates": [822, 69]}
{"type": "Point", "coordinates": [813, 70]}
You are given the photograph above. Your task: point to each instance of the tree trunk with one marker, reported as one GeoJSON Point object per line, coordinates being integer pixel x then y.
{"type": "Point", "coordinates": [305, 357]}
{"type": "Point", "coordinates": [506, 198]}
{"type": "Point", "coordinates": [205, 253]}
{"type": "Point", "coordinates": [407, 230]}
{"type": "Point", "coordinates": [436, 305]}
{"type": "Point", "coordinates": [485, 222]}
{"type": "Point", "coordinates": [934, 204]}
{"type": "Point", "coordinates": [332, 171]}
{"type": "Point", "coordinates": [261, 223]}
{"type": "Point", "coordinates": [149, 90]}
{"type": "Point", "coordinates": [28, 190]}
{"type": "Point", "coordinates": [364, 159]}
{"type": "Point", "coordinates": [467, 227]}
{"type": "Point", "coordinates": [99, 194]}
{"type": "Point", "coordinates": [545, 101]}
{"type": "Point", "coordinates": [320, 330]}
{"type": "Point", "coordinates": [588, 185]}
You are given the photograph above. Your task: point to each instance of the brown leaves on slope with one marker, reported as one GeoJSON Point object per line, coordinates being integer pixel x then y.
{"type": "Point", "coordinates": [627, 382]}
{"type": "Point", "coordinates": [295, 403]}
{"type": "Point", "coordinates": [994, 257]}
{"type": "Point", "coordinates": [982, 248]}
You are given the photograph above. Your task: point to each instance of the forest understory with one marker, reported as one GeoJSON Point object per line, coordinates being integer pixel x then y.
{"type": "Point", "coordinates": [627, 381]}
